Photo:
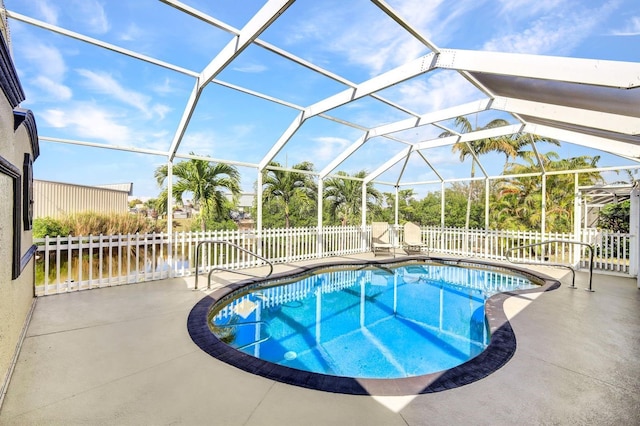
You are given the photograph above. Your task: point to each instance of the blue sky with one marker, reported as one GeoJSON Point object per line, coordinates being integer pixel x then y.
{"type": "Point", "coordinates": [82, 92]}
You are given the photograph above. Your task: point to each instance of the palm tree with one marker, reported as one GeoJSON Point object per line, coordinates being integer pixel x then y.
{"type": "Point", "coordinates": [478, 147]}
{"type": "Point", "coordinates": [518, 200]}
{"type": "Point", "coordinates": [511, 146]}
{"type": "Point", "coordinates": [344, 196]}
{"type": "Point", "coordinates": [289, 187]}
{"type": "Point", "coordinates": [206, 182]}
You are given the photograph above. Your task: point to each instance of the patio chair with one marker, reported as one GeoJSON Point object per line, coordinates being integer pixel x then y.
{"type": "Point", "coordinates": [381, 239]}
{"type": "Point", "coordinates": [412, 243]}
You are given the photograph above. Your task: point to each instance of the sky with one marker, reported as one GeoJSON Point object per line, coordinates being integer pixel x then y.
{"type": "Point", "coordinates": [82, 92]}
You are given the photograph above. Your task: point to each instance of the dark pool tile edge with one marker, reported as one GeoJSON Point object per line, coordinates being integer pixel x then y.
{"type": "Point", "coordinates": [499, 351]}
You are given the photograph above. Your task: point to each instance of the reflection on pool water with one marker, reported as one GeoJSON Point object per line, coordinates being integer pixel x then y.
{"type": "Point", "coordinates": [366, 322]}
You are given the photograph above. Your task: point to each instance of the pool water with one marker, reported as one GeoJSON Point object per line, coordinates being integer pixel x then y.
{"type": "Point", "coordinates": [368, 322]}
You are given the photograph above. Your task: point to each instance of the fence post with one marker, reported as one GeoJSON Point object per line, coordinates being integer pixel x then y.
{"type": "Point", "coordinates": [634, 231]}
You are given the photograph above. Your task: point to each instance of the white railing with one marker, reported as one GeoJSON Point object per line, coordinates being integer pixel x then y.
{"type": "Point", "coordinates": [77, 263]}
{"type": "Point", "coordinates": [71, 263]}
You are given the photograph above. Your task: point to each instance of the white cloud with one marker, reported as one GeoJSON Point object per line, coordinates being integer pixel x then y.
{"type": "Point", "coordinates": [328, 147]}
{"type": "Point", "coordinates": [165, 88]}
{"type": "Point", "coordinates": [47, 11]}
{"type": "Point", "coordinates": [93, 15]}
{"type": "Point", "coordinates": [104, 83]}
{"type": "Point", "coordinates": [58, 90]}
{"type": "Point", "coordinates": [362, 35]}
{"type": "Point", "coordinates": [200, 143]}
{"type": "Point", "coordinates": [161, 110]}
{"type": "Point", "coordinates": [48, 65]}
{"type": "Point", "coordinates": [133, 32]}
{"type": "Point", "coordinates": [87, 121]}
{"type": "Point", "coordinates": [556, 33]}
{"type": "Point", "coordinates": [632, 28]}
{"type": "Point", "coordinates": [528, 7]}
{"type": "Point", "coordinates": [47, 60]}
{"type": "Point", "coordinates": [251, 68]}
{"type": "Point", "coordinates": [434, 91]}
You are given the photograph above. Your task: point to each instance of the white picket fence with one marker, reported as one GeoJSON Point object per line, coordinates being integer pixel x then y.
{"type": "Point", "coordinates": [71, 263]}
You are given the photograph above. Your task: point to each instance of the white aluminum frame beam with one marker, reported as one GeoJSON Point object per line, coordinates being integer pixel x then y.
{"type": "Point", "coordinates": [278, 51]}
{"type": "Point", "coordinates": [622, 149]}
{"type": "Point", "coordinates": [99, 43]}
{"type": "Point", "coordinates": [618, 74]}
{"type": "Point", "coordinates": [388, 164]}
{"type": "Point", "coordinates": [578, 116]}
{"type": "Point", "coordinates": [405, 25]}
{"type": "Point", "coordinates": [380, 82]}
{"type": "Point", "coordinates": [432, 117]}
{"type": "Point", "coordinates": [397, 75]}
{"type": "Point", "coordinates": [258, 23]}
{"type": "Point", "coordinates": [423, 120]}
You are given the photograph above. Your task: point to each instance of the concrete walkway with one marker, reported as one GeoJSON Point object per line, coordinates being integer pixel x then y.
{"type": "Point", "coordinates": [122, 356]}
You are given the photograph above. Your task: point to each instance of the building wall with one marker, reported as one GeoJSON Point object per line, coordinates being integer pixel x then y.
{"type": "Point", "coordinates": [18, 137]}
{"type": "Point", "coordinates": [55, 199]}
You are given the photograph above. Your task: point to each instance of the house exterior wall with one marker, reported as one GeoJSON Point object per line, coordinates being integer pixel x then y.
{"type": "Point", "coordinates": [55, 199]}
{"type": "Point", "coordinates": [18, 148]}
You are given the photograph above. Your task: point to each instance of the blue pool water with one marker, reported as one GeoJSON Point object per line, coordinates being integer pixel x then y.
{"type": "Point", "coordinates": [368, 322]}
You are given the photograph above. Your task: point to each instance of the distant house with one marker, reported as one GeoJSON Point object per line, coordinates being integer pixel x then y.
{"type": "Point", "coordinates": [56, 199]}
{"type": "Point", "coordinates": [242, 214]}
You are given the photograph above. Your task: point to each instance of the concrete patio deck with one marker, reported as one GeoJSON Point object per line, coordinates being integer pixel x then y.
{"type": "Point", "coordinates": [122, 356]}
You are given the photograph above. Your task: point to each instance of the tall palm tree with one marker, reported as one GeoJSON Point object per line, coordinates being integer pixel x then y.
{"type": "Point", "coordinates": [511, 146]}
{"type": "Point", "coordinates": [288, 186]}
{"type": "Point", "coordinates": [206, 181]}
{"type": "Point", "coordinates": [477, 148]}
{"type": "Point", "coordinates": [518, 200]}
{"type": "Point", "coordinates": [344, 196]}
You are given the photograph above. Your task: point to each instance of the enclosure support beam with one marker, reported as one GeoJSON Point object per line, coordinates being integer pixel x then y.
{"type": "Point", "coordinates": [170, 214]}
{"type": "Point", "coordinates": [577, 212]}
{"type": "Point", "coordinates": [442, 203]}
{"type": "Point", "coordinates": [543, 205]}
{"type": "Point", "coordinates": [320, 206]}
{"type": "Point", "coordinates": [486, 215]}
{"type": "Point", "coordinates": [634, 231]}
{"type": "Point", "coordinates": [364, 215]}
{"type": "Point", "coordinates": [259, 211]}
{"type": "Point", "coordinates": [396, 206]}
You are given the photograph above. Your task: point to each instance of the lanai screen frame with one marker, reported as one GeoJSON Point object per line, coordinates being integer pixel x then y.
{"type": "Point", "coordinates": [612, 123]}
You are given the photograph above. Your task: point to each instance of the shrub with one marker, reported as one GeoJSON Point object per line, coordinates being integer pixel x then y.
{"type": "Point", "coordinates": [49, 226]}
{"type": "Point", "coordinates": [86, 223]}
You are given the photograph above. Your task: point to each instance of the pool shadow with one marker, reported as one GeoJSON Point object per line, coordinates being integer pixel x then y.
{"type": "Point", "coordinates": [499, 351]}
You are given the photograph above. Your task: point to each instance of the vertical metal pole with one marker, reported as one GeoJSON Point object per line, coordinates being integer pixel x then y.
{"type": "Point", "coordinates": [486, 204]}
{"type": "Point", "coordinates": [577, 206]}
{"type": "Point", "coordinates": [543, 206]}
{"type": "Point", "coordinates": [364, 217]}
{"type": "Point", "coordinates": [259, 190]}
{"type": "Point", "coordinates": [320, 204]}
{"type": "Point", "coordinates": [576, 249]}
{"type": "Point", "coordinates": [486, 217]}
{"type": "Point", "coordinates": [634, 231]}
{"type": "Point", "coordinates": [396, 206]}
{"type": "Point", "coordinates": [442, 203]}
{"type": "Point", "coordinates": [170, 216]}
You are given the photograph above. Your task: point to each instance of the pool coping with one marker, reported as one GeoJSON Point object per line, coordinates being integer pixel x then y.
{"type": "Point", "coordinates": [499, 351]}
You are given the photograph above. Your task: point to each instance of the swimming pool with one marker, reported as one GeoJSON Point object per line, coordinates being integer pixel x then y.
{"type": "Point", "coordinates": [383, 324]}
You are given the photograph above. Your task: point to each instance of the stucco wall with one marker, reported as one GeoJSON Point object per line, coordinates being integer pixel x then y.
{"type": "Point", "coordinates": [16, 295]}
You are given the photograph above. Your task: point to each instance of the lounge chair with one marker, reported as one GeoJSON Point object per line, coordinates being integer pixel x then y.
{"type": "Point", "coordinates": [412, 243]}
{"type": "Point", "coordinates": [381, 239]}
